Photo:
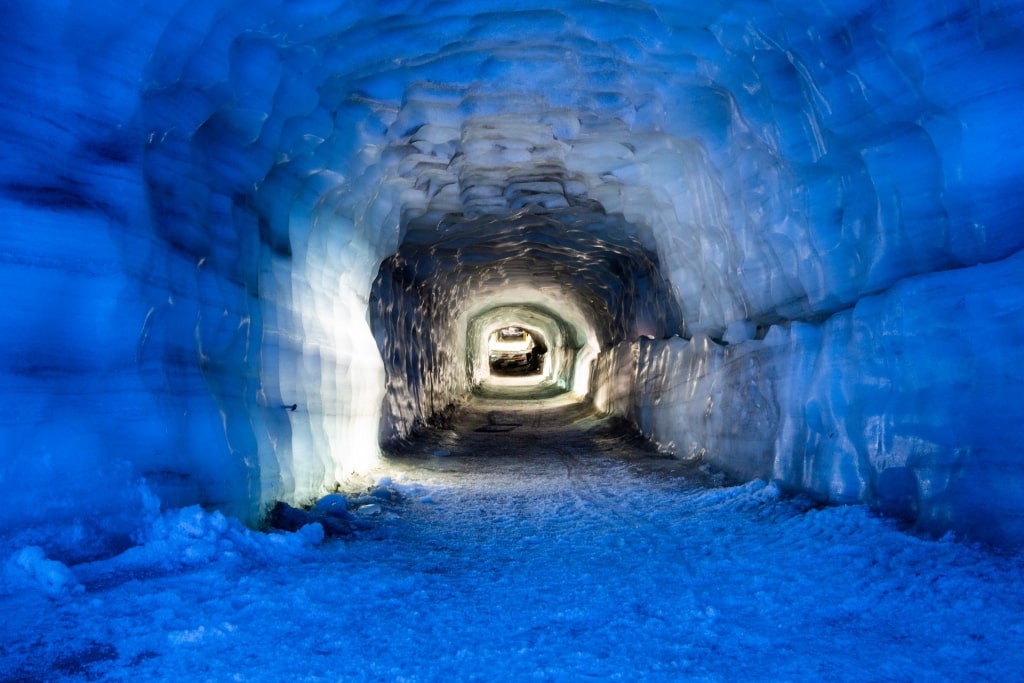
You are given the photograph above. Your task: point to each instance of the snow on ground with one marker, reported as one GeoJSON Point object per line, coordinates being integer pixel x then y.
{"type": "Point", "coordinates": [529, 554]}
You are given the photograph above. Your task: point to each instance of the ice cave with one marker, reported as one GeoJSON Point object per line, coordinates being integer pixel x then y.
{"type": "Point", "coordinates": [245, 243]}
{"type": "Point", "coordinates": [249, 245]}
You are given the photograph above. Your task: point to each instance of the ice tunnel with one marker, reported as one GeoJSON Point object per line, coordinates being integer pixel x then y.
{"type": "Point", "coordinates": [245, 242]}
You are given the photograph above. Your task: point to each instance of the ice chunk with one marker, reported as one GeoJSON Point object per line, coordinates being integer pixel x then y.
{"type": "Point", "coordinates": [313, 534]}
{"type": "Point", "coordinates": [30, 567]}
{"type": "Point", "coordinates": [334, 504]}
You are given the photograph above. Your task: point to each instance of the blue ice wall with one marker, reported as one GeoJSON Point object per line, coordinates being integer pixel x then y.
{"type": "Point", "coordinates": [197, 197]}
{"type": "Point", "coordinates": [896, 402]}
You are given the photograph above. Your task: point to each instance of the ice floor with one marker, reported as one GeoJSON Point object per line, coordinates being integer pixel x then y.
{"type": "Point", "coordinates": [531, 542]}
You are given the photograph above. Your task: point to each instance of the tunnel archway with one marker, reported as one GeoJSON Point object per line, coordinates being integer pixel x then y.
{"type": "Point", "coordinates": [765, 195]}
{"type": "Point", "coordinates": [447, 288]}
{"type": "Point", "coordinates": [666, 172]}
{"type": "Point", "coordinates": [515, 351]}
{"type": "Point", "coordinates": [560, 342]}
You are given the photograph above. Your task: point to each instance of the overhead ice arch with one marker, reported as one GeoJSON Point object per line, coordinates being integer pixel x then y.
{"type": "Point", "coordinates": [215, 183]}
{"type": "Point", "coordinates": [778, 176]}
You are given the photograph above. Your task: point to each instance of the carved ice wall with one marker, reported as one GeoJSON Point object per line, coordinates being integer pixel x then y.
{"type": "Point", "coordinates": [199, 196]}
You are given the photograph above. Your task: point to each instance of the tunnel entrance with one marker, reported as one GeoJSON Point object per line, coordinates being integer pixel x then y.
{"type": "Point", "coordinates": [513, 351]}
{"type": "Point", "coordinates": [521, 304]}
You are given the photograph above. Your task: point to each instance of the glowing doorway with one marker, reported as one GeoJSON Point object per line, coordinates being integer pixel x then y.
{"type": "Point", "coordinates": [514, 351]}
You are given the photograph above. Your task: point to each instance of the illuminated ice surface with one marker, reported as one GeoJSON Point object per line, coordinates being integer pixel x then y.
{"type": "Point", "coordinates": [243, 243]}
{"type": "Point", "coordinates": [216, 211]}
{"type": "Point", "coordinates": [582, 560]}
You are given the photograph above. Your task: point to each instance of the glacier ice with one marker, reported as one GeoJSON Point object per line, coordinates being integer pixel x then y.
{"type": "Point", "coordinates": [892, 401]}
{"type": "Point", "coordinates": [245, 241]}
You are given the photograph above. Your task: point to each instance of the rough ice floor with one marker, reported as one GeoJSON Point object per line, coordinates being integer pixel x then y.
{"type": "Point", "coordinates": [542, 555]}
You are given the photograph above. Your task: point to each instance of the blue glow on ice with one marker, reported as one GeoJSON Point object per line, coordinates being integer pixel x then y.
{"type": "Point", "coordinates": [245, 240]}
{"type": "Point", "coordinates": [198, 195]}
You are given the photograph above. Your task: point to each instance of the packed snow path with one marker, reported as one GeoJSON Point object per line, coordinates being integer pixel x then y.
{"type": "Point", "coordinates": [528, 541]}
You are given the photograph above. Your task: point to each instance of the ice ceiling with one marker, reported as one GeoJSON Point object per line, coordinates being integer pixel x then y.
{"type": "Point", "coordinates": [244, 241]}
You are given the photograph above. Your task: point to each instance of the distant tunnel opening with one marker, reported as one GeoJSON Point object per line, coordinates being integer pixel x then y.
{"type": "Point", "coordinates": [533, 295]}
{"type": "Point", "coordinates": [523, 344]}
{"type": "Point", "coordinates": [514, 351]}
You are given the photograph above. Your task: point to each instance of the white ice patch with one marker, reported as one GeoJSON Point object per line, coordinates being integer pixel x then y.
{"type": "Point", "coordinates": [191, 537]}
{"type": "Point", "coordinates": [29, 568]}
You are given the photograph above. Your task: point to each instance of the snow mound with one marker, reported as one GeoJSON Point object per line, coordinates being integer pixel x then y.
{"type": "Point", "coordinates": [29, 568]}
{"type": "Point", "coordinates": [190, 537]}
